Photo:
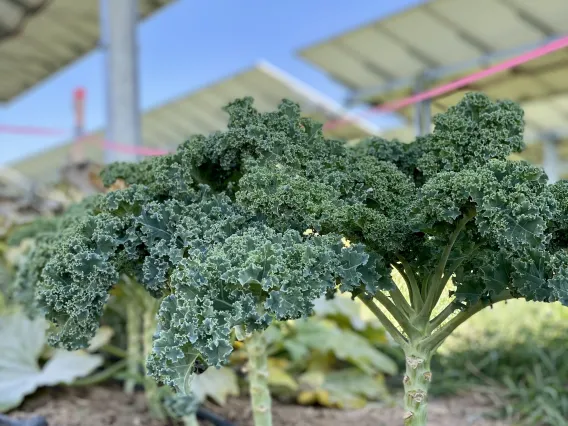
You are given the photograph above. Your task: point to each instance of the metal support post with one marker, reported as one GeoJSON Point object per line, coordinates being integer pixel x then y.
{"type": "Point", "coordinates": [422, 112]}
{"type": "Point", "coordinates": [454, 69]}
{"type": "Point", "coordinates": [119, 21]}
{"type": "Point", "coordinates": [77, 153]}
{"type": "Point", "coordinates": [551, 162]}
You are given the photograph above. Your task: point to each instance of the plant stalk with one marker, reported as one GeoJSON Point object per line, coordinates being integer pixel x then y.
{"type": "Point", "coordinates": [434, 341]}
{"type": "Point", "coordinates": [438, 281]}
{"type": "Point", "coordinates": [412, 282]}
{"type": "Point", "coordinates": [101, 376]}
{"type": "Point", "coordinates": [397, 336]}
{"type": "Point", "coordinates": [258, 379]}
{"type": "Point", "coordinates": [133, 349]}
{"type": "Point", "coordinates": [148, 329]}
{"type": "Point", "coordinates": [190, 420]}
{"type": "Point", "coordinates": [400, 301]}
{"type": "Point", "coordinates": [416, 385]}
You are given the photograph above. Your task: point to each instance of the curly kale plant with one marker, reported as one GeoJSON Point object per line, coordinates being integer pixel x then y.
{"type": "Point", "coordinates": [252, 224]}
{"type": "Point", "coordinates": [138, 307]}
{"type": "Point", "coordinates": [44, 232]}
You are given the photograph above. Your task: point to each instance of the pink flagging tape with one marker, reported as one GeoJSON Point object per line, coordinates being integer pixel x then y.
{"type": "Point", "coordinates": [332, 124]}
{"type": "Point", "coordinates": [458, 84]}
{"type": "Point", "coordinates": [31, 130]}
{"type": "Point", "coordinates": [462, 82]}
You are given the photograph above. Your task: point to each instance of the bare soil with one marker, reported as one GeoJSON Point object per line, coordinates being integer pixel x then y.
{"type": "Point", "coordinates": [105, 406]}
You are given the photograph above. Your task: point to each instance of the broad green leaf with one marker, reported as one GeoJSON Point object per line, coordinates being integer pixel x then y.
{"type": "Point", "coordinates": [103, 337]}
{"type": "Point", "coordinates": [278, 376]}
{"type": "Point", "coordinates": [346, 345]}
{"type": "Point", "coordinates": [351, 388]}
{"type": "Point", "coordinates": [347, 388]}
{"type": "Point", "coordinates": [341, 305]}
{"type": "Point", "coordinates": [21, 343]}
{"type": "Point", "coordinates": [215, 383]}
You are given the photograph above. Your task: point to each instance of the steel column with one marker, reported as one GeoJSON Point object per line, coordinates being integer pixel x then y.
{"type": "Point", "coordinates": [119, 21]}
{"type": "Point", "coordinates": [422, 111]}
{"type": "Point", "coordinates": [77, 153]}
{"type": "Point", "coordinates": [550, 161]}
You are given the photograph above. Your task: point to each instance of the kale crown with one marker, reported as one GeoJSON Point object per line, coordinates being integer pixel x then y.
{"type": "Point", "coordinates": [253, 223]}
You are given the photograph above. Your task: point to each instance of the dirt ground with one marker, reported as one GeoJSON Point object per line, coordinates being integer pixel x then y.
{"type": "Point", "coordinates": [105, 406]}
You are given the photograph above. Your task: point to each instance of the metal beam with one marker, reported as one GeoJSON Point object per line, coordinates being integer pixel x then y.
{"type": "Point", "coordinates": [118, 28]}
{"type": "Point", "coordinates": [433, 74]}
{"type": "Point", "coordinates": [423, 111]}
{"type": "Point", "coordinates": [550, 162]}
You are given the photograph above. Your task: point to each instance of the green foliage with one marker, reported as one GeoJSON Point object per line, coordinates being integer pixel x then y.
{"type": "Point", "coordinates": [22, 345]}
{"type": "Point", "coordinates": [461, 169]}
{"type": "Point", "coordinates": [521, 366]}
{"type": "Point", "coordinates": [6, 277]}
{"type": "Point", "coordinates": [218, 230]}
{"type": "Point", "coordinates": [45, 232]}
{"type": "Point", "coordinates": [527, 382]}
{"type": "Point", "coordinates": [32, 229]}
{"type": "Point", "coordinates": [328, 358]}
{"type": "Point", "coordinates": [216, 384]}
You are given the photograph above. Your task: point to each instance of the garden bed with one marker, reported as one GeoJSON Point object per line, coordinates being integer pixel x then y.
{"type": "Point", "coordinates": [105, 406]}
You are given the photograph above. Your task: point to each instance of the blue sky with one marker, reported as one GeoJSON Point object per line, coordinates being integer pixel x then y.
{"type": "Point", "coordinates": [191, 44]}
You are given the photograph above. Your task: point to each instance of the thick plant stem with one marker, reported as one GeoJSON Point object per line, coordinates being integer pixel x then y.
{"type": "Point", "coordinates": [102, 376]}
{"type": "Point", "coordinates": [133, 349]}
{"type": "Point", "coordinates": [148, 329]}
{"type": "Point", "coordinates": [416, 384]}
{"type": "Point", "coordinates": [258, 380]}
{"type": "Point", "coordinates": [190, 420]}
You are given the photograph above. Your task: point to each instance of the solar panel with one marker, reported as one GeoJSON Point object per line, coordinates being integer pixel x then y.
{"type": "Point", "coordinates": [445, 40]}
{"type": "Point", "coordinates": [37, 40]}
{"type": "Point", "coordinates": [200, 112]}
